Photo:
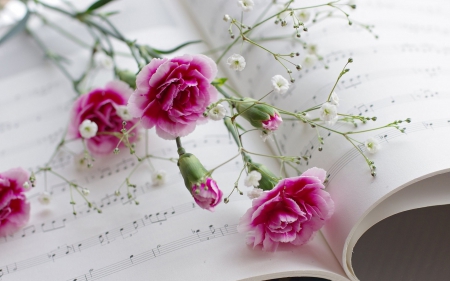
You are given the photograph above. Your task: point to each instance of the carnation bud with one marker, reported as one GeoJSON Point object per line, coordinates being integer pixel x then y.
{"type": "Point", "coordinates": [127, 77]}
{"type": "Point", "coordinates": [261, 116]}
{"type": "Point", "coordinates": [203, 188]}
{"type": "Point", "coordinates": [268, 179]}
{"type": "Point", "coordinates": [192, 170]}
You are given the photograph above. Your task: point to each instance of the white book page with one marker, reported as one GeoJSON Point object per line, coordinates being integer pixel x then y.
{"type": "Point", "coordinates": [403, 74]}
{"type": "Point", "coordinates": [166, 236]}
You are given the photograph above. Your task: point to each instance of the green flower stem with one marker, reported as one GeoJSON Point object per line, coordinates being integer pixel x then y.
{"type": "Point", "coordinates": [282, 166]}
{"type": "Point", "coordinates": [284, 158]}
{"type": "Point", "coordinates": [54, 8]}
{"type": "Point", "coordinates": [62, 31]}
{"type": "Point", "coordinates": [231, 159]}
{"type": "Point", "coordinates": [370, 130]}
{"type": "Point", "coordinates": [294, 9]}
{"type": "Point", "coordinates": [337, 80]}
{"type": "Point", "coordinates": [361, 152]}
{"type": "Point", "coordinates": [56, 60]}
{"type": "Point", "coordinates": [233, 90]}
{"type": "Point", "coordinates": [71, 185]}
{"type": "Point", "coordinates": [226, 50]}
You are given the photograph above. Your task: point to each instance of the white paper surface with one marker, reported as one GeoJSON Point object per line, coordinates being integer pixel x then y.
{"type": "Point", "coordinates": [165, 237]}
{"type": "Point", "coordinates": [403, 74]}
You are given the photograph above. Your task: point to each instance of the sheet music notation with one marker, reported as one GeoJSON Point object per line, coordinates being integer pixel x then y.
{"type": "Point", "coordinates": [105, 238]}
{"type": "Point", "coordinates": [198, 236]}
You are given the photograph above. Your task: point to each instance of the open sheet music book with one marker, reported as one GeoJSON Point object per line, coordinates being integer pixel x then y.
{"type": "Point", "coordinates": [403, 74]}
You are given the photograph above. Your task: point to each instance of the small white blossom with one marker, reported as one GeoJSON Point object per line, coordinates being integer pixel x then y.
{"type": "Point", "coordinates": [372, 145]}
{"type": "Point", "coordinates": [304, 15]}
{"type": "Point", "coordinates": [88, 129]}
{"type": "Point", "coordinates": [159, 177]}
{"type": "Point", "coordinates": [280, 84]}
{"type": "Point", "coordinates": [44, 198]}
{"type": "Point", "coordinates": [80, 162]}
{"type": "Point", "coordinates": [217, 113]}
{"type": "Point", "coordinates": [246, 5]}
{"type": "Point", "coordinates": [253, 179]}
{"type": "Point", "coordinates": [309, 60]}
{"type": "Point", "coordinates": [334, 99]}
{"type": "Point", "coordinates": [255, 193]}
{"type": "Point", "coordinates": [236, 62]}
{"type": "Point", "coordinates": [103, 61]}
{"type": "Point", "coordinates": [26, 185]}
{"type": "Point", "coordinates": [226, 18]}
{"type": "Point", "coordinates": [328, 113]}
{"type": "Point", "coordinates": [311, 49]}
{"type": "Point", "coordinates": [265, 134]}
{"type": "Point", "coordinates": [123, 112]}
{"type": "Point", "coordinates": [85, 191]}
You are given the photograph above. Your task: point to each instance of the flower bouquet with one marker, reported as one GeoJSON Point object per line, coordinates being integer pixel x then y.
{"type": "Point", "coordinates": [167, 139]}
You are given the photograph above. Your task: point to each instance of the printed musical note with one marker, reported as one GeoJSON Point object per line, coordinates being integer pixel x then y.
{"type": "Point", "coordinates": [135, 259]}
{"type": "Point", "coordinates": [56, 224]}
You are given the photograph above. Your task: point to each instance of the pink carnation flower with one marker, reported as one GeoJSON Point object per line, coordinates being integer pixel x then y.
{"type": "Point", "coordinates": [172, 94]}
{"type": "Point", "coordinates": [14, 208]}
{"type": "Point", "coordinates": [208, 195]}
{"type": "Point", "coordinates": [289, 213]}
{"type": "Point", "coordinates": [107, 108]}
{"type": "Point", "coordinates": [272, 123]}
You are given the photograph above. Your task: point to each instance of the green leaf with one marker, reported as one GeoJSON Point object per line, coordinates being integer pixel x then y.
{"type": "Point", "coordinates": [96, 5]}
{"type": "Point", "coordinates": [20, 25]}
{"type": "Point", "coordinates": [108, 14]}
{"type": "Point", "coordinates": [219, 81]}
{"type": "Point", "coordinates": [176, 48]}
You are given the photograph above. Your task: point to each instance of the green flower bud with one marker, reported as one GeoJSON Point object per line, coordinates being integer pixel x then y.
{"type": "Point", "coordinates": [192, 170]}
{"type": "Point", "coordinates": [127, 77]}
{"type": "Point", "coordinates": [268, 179]}
{"type": "Point", "coordinates": [261, 116]}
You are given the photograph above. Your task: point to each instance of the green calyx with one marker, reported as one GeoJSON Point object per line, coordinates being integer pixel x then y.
{"type": "Point", "coordinates": [127, 77]}
{"type": "Point", "coordinates": [192, 170]}
{"type": "Point", "coordinates": [255, 113]}
{"type": "Point", "coordinates": [268, 179]}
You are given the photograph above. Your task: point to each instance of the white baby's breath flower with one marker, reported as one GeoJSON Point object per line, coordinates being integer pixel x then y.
{"type": "Point", "coordinates": [236, 62]}
{"type": "Point", "coordinates": [309, 60]}
{"type": "Point", "coordinates": [123, 112]}
{"type": "Point", "coordinates": [253, 179]}
{"type": "Point", "coordinates": [103, 61]}
{"type": "Point", "coordinates": [265, 134]}
{"type": "Point", "coordinates": [372, 145]}
{"type": "Point", "coordinates": [85, 191]}
{"type": "Point", "coordinates": [81, 162]}
{"type": "Point", "coordinates": [280, 84]}
{"type": "Point", "coordinates": [159, 177]}
{"type": "Point", "coordinates": [217, 113]}
{"type": "Point", "coordinates": [88, 129]}
{"type": "Point", "coordinates": [328, 113]}
{"type": "Point", "coordinates": [226, 18]}
{"type": "Point", "coordinates": [304, 15]}
{"type": "Point", "coordinates": [334, 99]}
{"type": "Point", "coordinates": [44, 198]}
{"type": "Point", "coordinates": [312, 49]}
{"type": "Point", "coordinates": [26, 185]}
{"type": "Point", "coordinates": [246, 5]}
{"type": "Point", "coordinates": [255, 193]}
